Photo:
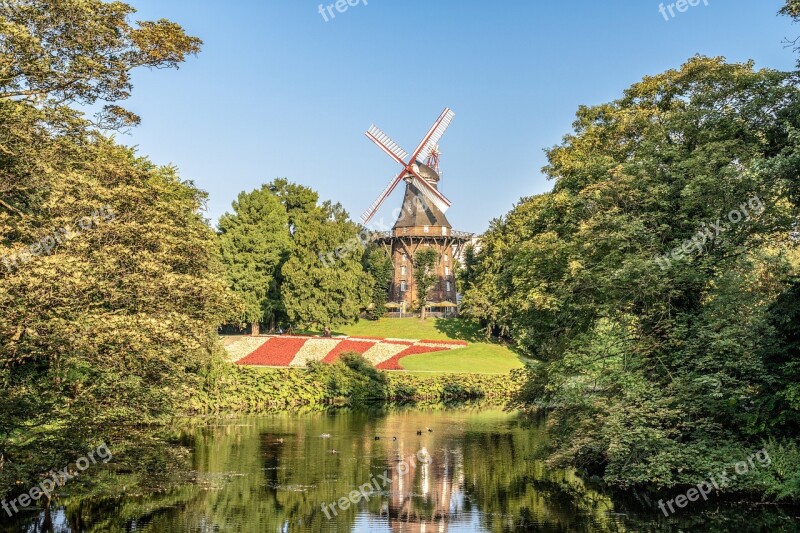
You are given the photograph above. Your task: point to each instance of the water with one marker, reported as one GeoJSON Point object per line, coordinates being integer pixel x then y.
{"type": "Point", "coordinates": [468, 469]}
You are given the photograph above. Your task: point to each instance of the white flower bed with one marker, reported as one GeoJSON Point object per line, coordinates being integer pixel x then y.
{"type": "Point", "coordinates": [382, 352]}
{"type": "Point", "coordinates": [314, 350]}
{"type": "Point", "coordinates": [437, 345]}
{"type": "Point", "coordinates": [244, 346]}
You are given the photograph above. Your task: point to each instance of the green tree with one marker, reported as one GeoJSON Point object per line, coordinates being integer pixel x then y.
{"type": "Point", "coordinates": [379, 266]}
{"type": "Point", "coordinates": [318, 292]}
{"type": "Point", "coordinates": [298, 200]}
{"type": "Point", "coordinates": [425, 276]}
{"type": "Point", "coordinates": [57, 52]}
{"type": "Point", "coordinates": [111, 287]}
{"type": "Point", "coordinates": [255, 243]}
{"type": "Point", "coordinates": [466, 273]}
{"type": "Point", "coordinates": [648, 304]}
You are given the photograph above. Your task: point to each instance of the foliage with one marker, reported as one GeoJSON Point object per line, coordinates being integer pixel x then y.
{"type": "Point", "coordinates": [315, 292]}
{"type": "Point", "coordinates": [58, 52]}
{"type": "Point", "coordinates": [655, 370]}
{"type": "Point", "coordinates": [298, 200]}
{"type": "Point", "coordinates": [111, 286]}
{"type": "Point", "coordinates": [425, 275]}
{"type": "Point", "coordinates": [379, 266]}
{"type": "Point", "coordinates": [350, 381]}
{"type": "Point", "coordinates": [466, 271]}
{"type": "Point", "coordinates": [111, 327]}
{"type": "Point", "coordinates": [255, 241]}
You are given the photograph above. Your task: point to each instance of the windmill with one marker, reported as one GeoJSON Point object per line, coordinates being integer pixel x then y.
{"type": "Point", "coordinates": [415, 170]}
{"type": "Point", "coordinates": [421, 223]}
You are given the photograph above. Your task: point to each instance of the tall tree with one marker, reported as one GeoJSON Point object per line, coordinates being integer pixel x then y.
{"type": "Point", "coordinates": [317, 292]}
{"type": "Point", "coordinates": [425, 275]}
{"type": "Point", "coordinates": [654, 281]}
{"type": "Point", "coordinates": [255, 242]}
{"type": "Point", "coordinates": [111, 287]}
{"type": "Point", "coordinates": [298, 200]}
{"type": "Point", "coordinates": [379, 266]}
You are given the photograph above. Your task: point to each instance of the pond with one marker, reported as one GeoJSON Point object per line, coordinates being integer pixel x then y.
{"type": "Point", "coordinates": [384, 470]}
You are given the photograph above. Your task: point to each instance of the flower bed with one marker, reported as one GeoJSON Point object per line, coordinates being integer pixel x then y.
{"type": "Point", "coordinates": [277, 351]}
{"type": "Point", "coordinates": [383, 351]}
{"type": "Point", "coordinates": [394, 362]}
{"type": "Point", "coordinates": [298, 351]}
{"type": "Point", "coordinates": [238, 348]}
{"type": "Point", "coordinates": [314, 350]}
{"type": "Point", "coordinates": [348, 346]}
{"type": "Point", "coordinates": [445, 342]}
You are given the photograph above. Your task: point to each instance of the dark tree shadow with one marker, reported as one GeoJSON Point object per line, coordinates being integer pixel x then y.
{"type": "Point", "coordinates": [460, 329]}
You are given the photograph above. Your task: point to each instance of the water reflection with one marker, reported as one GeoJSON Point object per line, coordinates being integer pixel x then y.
{"type": "Point", "coordinates": [275, 473]}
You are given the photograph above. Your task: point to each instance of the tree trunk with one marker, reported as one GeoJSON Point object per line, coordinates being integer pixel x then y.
{"type": "Point", "coordinates": [272, 323]}
{"type": "Point", "coordinates": [255, 328]}
{"type": "Point", "coordinates": [422, 313]}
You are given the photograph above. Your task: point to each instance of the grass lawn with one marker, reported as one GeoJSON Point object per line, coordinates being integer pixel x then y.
{"type": "Point", "coordinates": [479, 357]}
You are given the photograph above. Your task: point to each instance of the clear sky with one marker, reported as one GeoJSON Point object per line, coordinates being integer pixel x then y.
{"type": "Point", "coordinates": [280, 92]}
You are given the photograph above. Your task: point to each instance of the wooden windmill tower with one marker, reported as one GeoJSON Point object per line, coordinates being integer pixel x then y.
{"type": "Point", "coordinates": [421, 221]}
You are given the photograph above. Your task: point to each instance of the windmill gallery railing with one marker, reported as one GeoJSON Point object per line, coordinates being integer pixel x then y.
{"type": "Point", "coordinates": [415, 232]}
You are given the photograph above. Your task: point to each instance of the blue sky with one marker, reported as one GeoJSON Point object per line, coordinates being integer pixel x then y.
{"type": "Point", "coordinates": [280, 92]}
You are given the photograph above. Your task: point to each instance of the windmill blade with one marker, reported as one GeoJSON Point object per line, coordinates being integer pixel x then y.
{"type": "Point", "coordinates": [431, 194]}
{"type": "Point", "coordinates": [434, 135]}
{"type": "Point", "coordinates": [386, 144]}
{"type": "Point", "coordinates": [369, 213]}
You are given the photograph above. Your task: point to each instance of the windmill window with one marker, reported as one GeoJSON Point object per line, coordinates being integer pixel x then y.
{"type": "Point", "coordinates": [404, 258]}
{"type": "Point", "coordinates": [447, 272]}
{"type": "Point", "coordinates": [402, 286]}
{"type": "Point", "coordinates": [403, 270]}
{"type": "Point", "coordinates": [446, 258]}
{"type": "Point", "coordinates": [444, 230]}
{"type": "Point", "coordinates": [448, 286]}
{"type": "Point", "coordinates": [425, 229]}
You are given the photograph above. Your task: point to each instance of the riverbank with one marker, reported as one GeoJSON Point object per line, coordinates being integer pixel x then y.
{"type": "Point", "coordinates": [350, 381]}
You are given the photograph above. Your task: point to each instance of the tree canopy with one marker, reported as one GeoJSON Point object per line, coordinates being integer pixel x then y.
{"type": "Point", "coordinates": [58, 52]}
{"type": "Point", "coordinates": [111, 287]}
{"type": "Point", "coordinates": [650, 280]}
{"type": "Point", "coordinates": [255, 242]}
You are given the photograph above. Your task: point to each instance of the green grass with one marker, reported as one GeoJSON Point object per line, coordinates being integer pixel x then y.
{"type": "Point", "coordinates": [480, 357]}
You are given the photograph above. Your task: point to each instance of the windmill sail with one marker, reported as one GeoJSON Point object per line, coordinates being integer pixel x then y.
{"type": "Point", "coordinates": [433, 137]}
{"type": "Point", "coordinates": [387, 144]}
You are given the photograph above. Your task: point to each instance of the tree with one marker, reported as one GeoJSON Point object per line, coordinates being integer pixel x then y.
{"type": "Point", "coordinates": [255, 242]}
{"type": "Point", "coordinates": [298, 200]}
{"type": "Point", "coordinates": [379, 266]}
{"type": "Point", "coordinates": [111, 294]}
{"type": "Point", "coordinates": [111, 287]}
{"type": "Point", "coordinates": [57, 52]}
{"type": "Point", "coordinates": [654, 282]}
{"type": "Point", "coordinates": [466, 273]}
{"type": "Point", "coordinates": [425, 275]}
{"type": "Point", "coordinates": [316, 292]}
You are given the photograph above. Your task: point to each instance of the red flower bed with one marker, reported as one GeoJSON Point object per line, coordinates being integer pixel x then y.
{"type": "Point", "coordinates": [394, 362]}
{"type": "Point", "coordinates": [348, 346]}
{"type": "Point", "coordinates": [454, 343]}
{"type": "Point", "coordinates": [401, 343]}
{"type": "Point", "coordinates": [364, 337]}
{"type": "Point", "coordinates": [277, 351]}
